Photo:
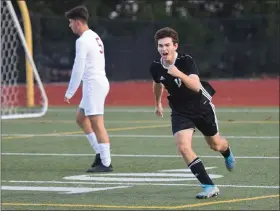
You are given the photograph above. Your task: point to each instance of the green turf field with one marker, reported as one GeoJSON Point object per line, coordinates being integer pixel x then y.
{"type": "Point", "coordinates": [44, 163]}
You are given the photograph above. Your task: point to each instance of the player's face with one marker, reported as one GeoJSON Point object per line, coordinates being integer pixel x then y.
{"type": "Point", "coordinates": [74, 25]}
{"type": "Point", "coordinates": [167, 48]}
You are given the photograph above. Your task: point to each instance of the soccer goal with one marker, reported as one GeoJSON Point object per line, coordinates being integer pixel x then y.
{"type": "Point", "coordinates": [22, 91]}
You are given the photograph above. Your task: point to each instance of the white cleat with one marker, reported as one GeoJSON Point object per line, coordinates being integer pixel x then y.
{"type": "Point", "coordinates": [208, 192]}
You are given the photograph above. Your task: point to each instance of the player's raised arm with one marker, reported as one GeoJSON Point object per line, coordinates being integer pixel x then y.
{"type": "Point", "coordinates": [192, 80]}
{"type": "Point", "coordinates": [78, 69]}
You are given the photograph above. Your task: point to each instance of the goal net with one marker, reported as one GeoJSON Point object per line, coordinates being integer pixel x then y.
{"type": "Point", "coordinates": [20, 96]}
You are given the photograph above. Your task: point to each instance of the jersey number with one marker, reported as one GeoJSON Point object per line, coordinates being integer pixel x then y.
{"type": "Point", "coordinates": [178, 81]}
{"type": "Point", "coordinates": [99, 44]}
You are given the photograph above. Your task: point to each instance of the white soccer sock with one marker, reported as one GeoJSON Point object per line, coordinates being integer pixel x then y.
{"type": "Point", "coordinates": [105, 154]}
{"type": "Point", "coordinates": [93, 142]}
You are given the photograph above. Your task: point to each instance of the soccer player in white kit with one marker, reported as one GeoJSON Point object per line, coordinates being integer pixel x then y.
{"type": "Point", "coordinates": [89, 67]}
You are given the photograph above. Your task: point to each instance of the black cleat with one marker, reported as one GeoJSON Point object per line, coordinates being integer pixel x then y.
{"type": "Point", "coordinates": [100, 168]}
{"type": "Point", "coordinates": [97, 160]}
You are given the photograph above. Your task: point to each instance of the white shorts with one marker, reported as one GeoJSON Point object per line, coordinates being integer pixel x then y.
{"type": "Point", "coordinates": [94, 94]}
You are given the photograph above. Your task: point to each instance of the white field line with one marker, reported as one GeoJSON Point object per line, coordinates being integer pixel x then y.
{"type": "Point", "coordinates": [140, 121]}
{"type": "Point", "coordinates": [151, 110]}
{"type": "Point", "coordinates": [125, 155]}
{"type": "Point", "coordinates": [131, 136]}
{"type": "Point", "coordinates": [132, 184]}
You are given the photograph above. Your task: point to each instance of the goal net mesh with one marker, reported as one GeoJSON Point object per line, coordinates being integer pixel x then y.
{"type": "Point", "coordinates": [14, 95]}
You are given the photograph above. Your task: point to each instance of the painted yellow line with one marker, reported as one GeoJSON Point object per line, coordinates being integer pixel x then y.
{"type": "Point", "coordinates": [90, 205]}
{"type": "Point", "coordinates": [225, 201]}
{"type": "Point", "coordinates": [17, 137]}
{"type": "Point", "coordinates": [80, 132]}
{"type": "Point", "coordinates": [142, 207]}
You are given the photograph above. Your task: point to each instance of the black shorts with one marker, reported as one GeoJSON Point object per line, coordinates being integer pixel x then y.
{"type": "Point", "coordinates": [201, 116]}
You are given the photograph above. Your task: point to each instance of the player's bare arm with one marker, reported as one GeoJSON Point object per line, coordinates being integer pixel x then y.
{"type": "Point", "coordinates": [158, 90]}
{"type": "Point", "coordinates": [192, 81]}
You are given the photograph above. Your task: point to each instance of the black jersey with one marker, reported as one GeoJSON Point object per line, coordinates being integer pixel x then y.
{"type": "Point", "coordinates": [178, 92]}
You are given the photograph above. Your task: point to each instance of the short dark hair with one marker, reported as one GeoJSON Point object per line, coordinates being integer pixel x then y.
{"type": "Point", "coordinates": [167, 32]}
{"type": "Point", "coordinates": [79, 12]}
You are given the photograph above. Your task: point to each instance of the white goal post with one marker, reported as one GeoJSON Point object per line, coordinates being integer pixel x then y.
{"type": "Point", "coordinates": [14, 94]}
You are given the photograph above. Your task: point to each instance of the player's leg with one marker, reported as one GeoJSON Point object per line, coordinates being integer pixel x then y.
{"type": "Point", "coordinates": [85, 124]}
{"type": "Point", "coordinates": [97, 122]}
{"type": "Point", "coordinates": [208, 125]}
{"type": "Point", "coordinates": [94, 109]}
{"type": "Point", "coordinates": [220, 144]}
{"type": "Point", "coordinates": [183, 129]}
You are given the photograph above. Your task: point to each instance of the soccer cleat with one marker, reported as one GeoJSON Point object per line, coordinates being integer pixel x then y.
{"type": "Point", "coordinates": [97, 160]}
{"type": "Point", "coordinates": [100, 168]}
{"type": "Point", "coordinates": [230, 162]}
{"type": "Point", "coordinates": [208, 192]}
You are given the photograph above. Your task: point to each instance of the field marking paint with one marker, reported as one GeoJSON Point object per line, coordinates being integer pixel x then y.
{"type": "Point", "coordinates": [87, 206]}
{"type": "Point", "coordinates": [131, 136]}
{"type": "Point", "coordinates": [160, 176]}
{"type": "Point", "coordinates": [65, 190]}
{"type": "Point", "coordinates": [113, 177]}
{"type": "Point", "coordinates": [151, 110]}
{"type": "Point", "coordinates": [138, 183]}
{"type": "Point", "coordinates": [126, 155]}
{"type": "Point", "coordinates": [20, 121]}
{"type": "Point", "coordinates": [141, 207]}
{"type": "Point", "coordinates": [225, 201]}
{"type": "Point", "coordinates": [80, 132]}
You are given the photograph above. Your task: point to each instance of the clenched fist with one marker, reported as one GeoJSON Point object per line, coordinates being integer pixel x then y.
{"type": "Point", "coordinates": [173, 70]}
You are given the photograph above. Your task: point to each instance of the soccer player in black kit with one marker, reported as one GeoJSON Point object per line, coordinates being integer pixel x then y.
{"type": "Point", "coordinates": [191, 106]}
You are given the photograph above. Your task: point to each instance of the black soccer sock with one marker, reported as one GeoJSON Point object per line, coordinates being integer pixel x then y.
{"type": "Point", "coordinates": [226, 153]}
{"type": "Point", "coordinates": [199, 171]}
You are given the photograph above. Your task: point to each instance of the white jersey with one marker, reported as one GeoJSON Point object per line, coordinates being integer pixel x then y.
{"type": "Point", "coordinates": [89, 61]}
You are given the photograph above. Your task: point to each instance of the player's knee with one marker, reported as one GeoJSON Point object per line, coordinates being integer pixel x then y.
{"type": "Point", "coordinates": [184, 145]}
{"type": "Point", "coordinates": [98, 126]}
{"type": "Point", "coordinates": [79, 121]}
{"type": "Point", "coordinates": [80, 118]}
{"type": "Point", "coordinates": [184, 148]}
{"type": "Point", "coordinates": [216, 143]}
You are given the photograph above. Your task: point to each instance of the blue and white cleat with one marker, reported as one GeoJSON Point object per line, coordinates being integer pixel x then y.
{"type": "Point", "coordinates": [230, 162]}
{"type": "Point", "coordinates": [208, 192]}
